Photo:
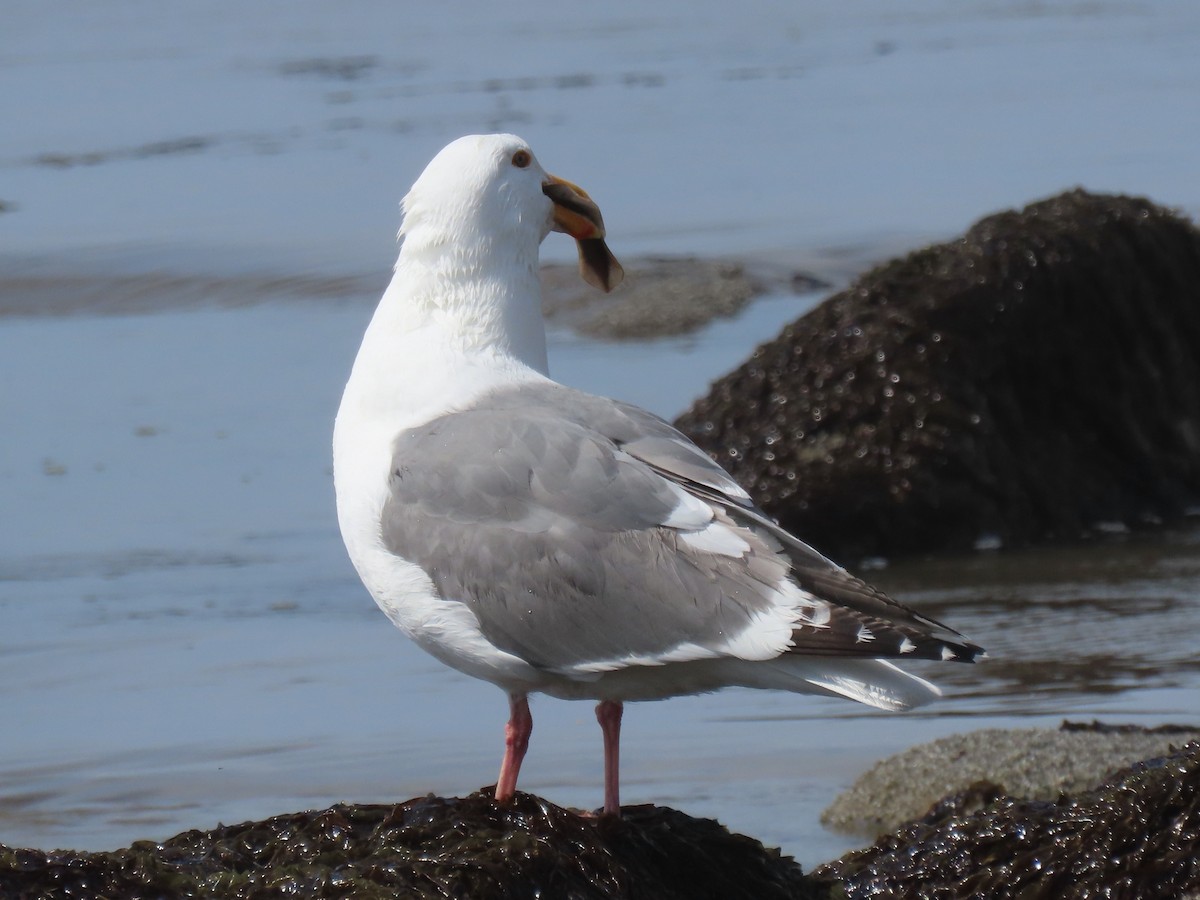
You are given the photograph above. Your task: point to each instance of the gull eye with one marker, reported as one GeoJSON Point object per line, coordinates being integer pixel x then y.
{"type": "Point", "coordinates": [522, 158]}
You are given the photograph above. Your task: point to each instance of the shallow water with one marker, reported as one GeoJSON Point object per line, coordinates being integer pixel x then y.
{"type": "Point", "coordinates": [182, 640]}
{"type": "Point", "coordinates": [283, 135]}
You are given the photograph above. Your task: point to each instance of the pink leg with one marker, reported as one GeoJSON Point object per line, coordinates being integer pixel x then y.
{"type": "Point", "coordinates": [608, 714]}
{"type": "Point", "coordinates": [516, 742]}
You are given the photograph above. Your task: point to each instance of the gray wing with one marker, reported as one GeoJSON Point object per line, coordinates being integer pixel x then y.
{"type": "Point", "coordinates": [864, 621]}
{"type": "Point", "coordinates": [569, 525]}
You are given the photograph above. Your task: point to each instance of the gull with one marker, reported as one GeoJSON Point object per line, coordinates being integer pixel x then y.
{"type": "Point", "coordinates": [549, 540]}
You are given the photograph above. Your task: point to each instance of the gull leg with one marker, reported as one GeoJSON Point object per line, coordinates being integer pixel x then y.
{"type": "Point", "coordinates": [608, 714]}
{"type": "Point", "coordinates": [516, 742]}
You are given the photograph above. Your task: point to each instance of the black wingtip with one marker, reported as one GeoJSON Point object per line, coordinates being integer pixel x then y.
{"type": "Point", "coordinates": [966, 653]}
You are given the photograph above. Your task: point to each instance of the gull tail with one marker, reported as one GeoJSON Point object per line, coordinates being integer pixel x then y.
{"type": "Point", "coordinates": [875, 682]}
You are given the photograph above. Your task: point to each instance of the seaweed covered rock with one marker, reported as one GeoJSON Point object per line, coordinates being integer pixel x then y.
{"type": "Point", "coordinates": [1035, 379]}
{"type": "Point", "coordinates": [1024, 763]}
{"type": "Point", "coordinates": [1137, 836]}
{"type": "Point", "coordinates": [428, 847]}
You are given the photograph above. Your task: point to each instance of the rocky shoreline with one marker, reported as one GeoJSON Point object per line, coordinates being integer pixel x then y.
{"type": "Point", "coordinates": [1134, 835]}
{"type": "Point", "coordinates": [1134, 832]}
{"type": "Point", "coordinates": [1045, 384]}
{"type": "Point", "coordinates": [1038, 764]}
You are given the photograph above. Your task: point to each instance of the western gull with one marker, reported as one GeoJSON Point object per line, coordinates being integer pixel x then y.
{"type": "Point", "coordinates": [546, 539]}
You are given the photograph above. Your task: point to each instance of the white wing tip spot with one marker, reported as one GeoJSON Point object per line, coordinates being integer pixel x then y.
{"type": "Point", "coordinates": [948, 653]}
{"type": "Point", "coordinates": [864, 635]}
{"type": "Point", "coordinates": [907, 646]}
{"type": "Point", "coordinates": [716, 538]}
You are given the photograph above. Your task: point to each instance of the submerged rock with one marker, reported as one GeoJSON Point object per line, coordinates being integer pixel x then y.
{"type": "Point", "coordinates": [1026, 763]}
{"type": "Point", "coordinates": [1038, 378]}
{"type": "Point", "coordinates": [428, 847]}
{"type": "Point", "coordinates": [1136, 836]}
{"type": "Point", "coordinates": [662, 297]}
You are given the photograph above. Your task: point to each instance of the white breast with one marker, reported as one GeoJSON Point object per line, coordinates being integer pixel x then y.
{"type": "Point", "coordinates": [385, 395]}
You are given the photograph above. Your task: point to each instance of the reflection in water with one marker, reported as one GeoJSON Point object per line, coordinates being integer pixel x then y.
{"type": "Point", "coordinates": [1061, 624]}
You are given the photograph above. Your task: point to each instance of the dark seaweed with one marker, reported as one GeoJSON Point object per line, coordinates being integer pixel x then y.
{"type": "Point", "coordinates": [1030, 380]}
{"type": "Point", "coordinates": [1136, 836]}
{"type": "Point", "coordinates": [429, 847]}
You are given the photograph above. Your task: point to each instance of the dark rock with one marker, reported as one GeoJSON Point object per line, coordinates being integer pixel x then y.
{"type": "Point", "coordinates": [1137, 836]}
{"type": "Point", "coordinates": [1036, 379]}
{"type": "Point", "coordinates": [428, 847]}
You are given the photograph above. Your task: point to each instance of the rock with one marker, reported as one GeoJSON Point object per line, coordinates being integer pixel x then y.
{"type": "Point", "coordinates": [1036, 379]}
{"type": "Point", "coordinates": [662, 297]}
{"type": "Point", "coordinates": [1025, 763]}
{"type": "Point", "coordinates": [427, 847]}
{"type": "Point", "coordinates": [1136, 836]}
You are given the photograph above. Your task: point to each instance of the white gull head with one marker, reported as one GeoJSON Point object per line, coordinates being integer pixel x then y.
{"type": "Point", "coordinates": [473, 222]}
{"type": "Point", "coordinates": [480, 197]}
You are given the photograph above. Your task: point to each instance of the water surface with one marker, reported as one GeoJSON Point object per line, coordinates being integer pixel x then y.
{"type": "Point", "coordinates": [182, 640]}
{"type": "Point", "coordinates": [185, 643]}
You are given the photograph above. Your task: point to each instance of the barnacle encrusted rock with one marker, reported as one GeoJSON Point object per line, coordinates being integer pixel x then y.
{"type": "Point", "coordinates": [1136, 836]}
{"type": "Point", "coordinates": [1026, 763]}
{"type": "Point", "coordinates": [1037, 378]}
